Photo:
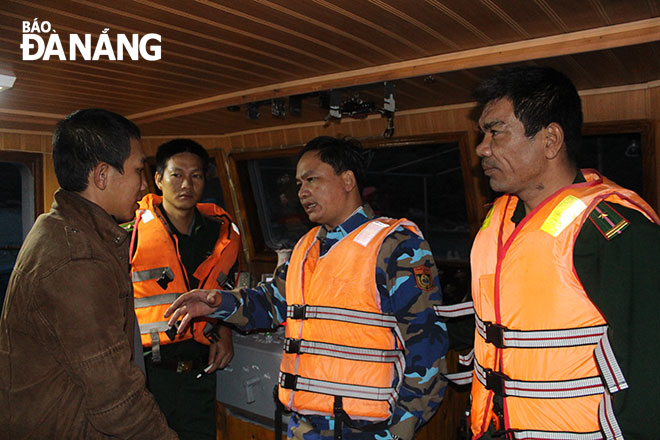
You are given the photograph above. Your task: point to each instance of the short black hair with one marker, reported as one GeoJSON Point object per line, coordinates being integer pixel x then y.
{"type": "Point", "coordinates": [176, 146]}
{"type": "Point", "coordinates": [342, 154]}
{"type": "Point", "coordinates": [540, 96]}
{"type": "Point", "coordinates": [87, 137]}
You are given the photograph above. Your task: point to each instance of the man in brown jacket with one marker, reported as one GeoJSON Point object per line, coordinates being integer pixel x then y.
{"type": "Point", "coordinates": [66, 332]}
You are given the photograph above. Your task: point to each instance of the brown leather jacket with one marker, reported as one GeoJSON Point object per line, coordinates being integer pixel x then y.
{"type": "Point", "coordinates": [66, 333]}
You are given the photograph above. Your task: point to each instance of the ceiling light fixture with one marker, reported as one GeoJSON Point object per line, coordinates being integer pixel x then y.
{"type": "Point", "coordinates": [6, 81]}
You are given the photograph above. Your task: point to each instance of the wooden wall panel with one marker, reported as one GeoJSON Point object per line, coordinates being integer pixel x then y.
{"type": "Point", "coordinates": [25, 141]}
{"type": "Point", "coordinates": [616, 106]}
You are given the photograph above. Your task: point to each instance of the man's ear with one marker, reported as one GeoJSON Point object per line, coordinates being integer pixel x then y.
{"type": "Point", "coordinates": [99, 175]}
{"type": "Point", "coordinates": [349, 180]}
{"type": "Point", "coordinates": [158, 179]}
{"type": "Point", "coordinates": [553, 140]}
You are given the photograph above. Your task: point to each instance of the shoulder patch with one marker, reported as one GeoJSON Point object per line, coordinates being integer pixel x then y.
{"type": "Point", "coordinates": [486, 222]}
{"type": "Point", "coordinates": [423, 277]}
{"type": "Point", "coordinates": [607, 220]}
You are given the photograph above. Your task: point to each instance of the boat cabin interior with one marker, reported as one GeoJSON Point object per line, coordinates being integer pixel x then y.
{"type": "Point", "coordinates": [253, 81]}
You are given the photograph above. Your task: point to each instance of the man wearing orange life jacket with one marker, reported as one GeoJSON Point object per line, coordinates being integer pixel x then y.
{"type": "Point", "coordinates": [564, 278]}
{"type": "Point", "coordinates": [362, 354]}
{"type": "Point", "coordinates": [180, 244]}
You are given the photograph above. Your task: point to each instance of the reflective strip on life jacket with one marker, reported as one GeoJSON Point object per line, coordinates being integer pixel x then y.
{"type": "Point", "coordinates": [466, 359]}
{"type": "Point", "coordinates": [547, 435]}
{"type": "Point", "coordinates": [607, 420]}
{"type": "Point", "coordinates": [562, 389]}
{"type": "Point", "coordinates": [299, 383]}
{"type": "Point", "coordinates": [146, 329]}
{"type": "Point", "coordinates": [156, 300]}
{"type": "Point", "coordinates": [152, 274]}
{"type": "Point", "coordinates": [462, 378]}
{"type": "Point", "coordinates": [502, 337]}
{"type": "Point", "coordinates": [608, 366]}
{"type": "Point", "coordinates": [297, 311]}
{"type": "Point", "coordinates": [454, 310]}
{"type": "Point", "coordinates": [155, 346]}
{"type": "Point", "coordinates": [301, 346]}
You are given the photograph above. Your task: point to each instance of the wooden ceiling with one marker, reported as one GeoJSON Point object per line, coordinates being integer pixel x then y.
{"type": "Point", "coordinates": [217, 54]}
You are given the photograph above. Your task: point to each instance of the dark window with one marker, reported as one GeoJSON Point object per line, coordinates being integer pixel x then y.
{"type": "Point", "coordinates": [423, 183]}
{"type": "Point", "coordinates": [281, 217]}
{"type": "Point", "coordinates": [420, 182]}
{"type": "Point", "coordinates": [16, 215]}
{"type": "Point", "coordinates": [616, 156]}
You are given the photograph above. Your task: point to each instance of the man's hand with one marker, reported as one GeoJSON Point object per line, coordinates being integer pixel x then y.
{"type": "Point", "coordinates": [191, 305]}
{"type": "Point", "coordinates": [222, 351]}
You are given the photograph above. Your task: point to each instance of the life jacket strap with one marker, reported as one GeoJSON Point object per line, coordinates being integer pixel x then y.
{"type": "Point", "coordinates": [504, 386]}
{"type": "Point", "coordinates": [301, 346]}
{"type": "Point", "coordinates": [610, 429]}
{"type": "Point", "coordinates": [155, 347]}
{"type": "Point", "coordinates": [503, 337]}
{"type": "Point", "coordinates": [466, 359]}
{"type": "Point", "coordinates": [528, 434]}
{"type": "Point", "coordinates": [461, 378]}
{"type": "Point", "coordinates": [150, 327]}
{"type": "Point", "coordinates": [300, 383]}
{"type": "Point", "coordinates": [608, 366]}
{"type": "Point", "coordinates": [454, 310]}
{"type": "Point", "coordinates": [305, 311]}
{"type": "Point", "coordinates": [338, 410]}
{"type": "Point", "coordinates": [607, 420]}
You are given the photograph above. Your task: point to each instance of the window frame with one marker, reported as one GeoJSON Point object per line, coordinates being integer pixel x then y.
{"type": "Point", "coordinates": [649, 165]}
{"type": "Point", "coordinates": [34, 163]}
{"type": "Point", "coordinates": [245, 210]}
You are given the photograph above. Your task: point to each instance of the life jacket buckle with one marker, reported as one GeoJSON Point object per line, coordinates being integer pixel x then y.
{"type": "Point", "coordinates": [172, 330]}
{"type": "Point", "coordinates": [299, 311]}
{"type": "Point", "coordinates": [166, 277]}
{"type": "Point", "coordinates": [495, 334]}
{"type": "Point", "coordinates": [289, 381]}
{"type": "Point", "coordinates": [292, 346]}
{"type": "Point", "coordinates": [495, 382]}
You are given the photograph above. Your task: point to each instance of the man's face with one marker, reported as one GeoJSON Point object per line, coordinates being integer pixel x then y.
{"type": "Point", "coordinates": [323, 194]}
{"type": "Point", "coordinates": [126, 188]}
{"type": "Point", "coordinates": [182, 182]}
{"type": "Point", "coordinates": [512, 161]}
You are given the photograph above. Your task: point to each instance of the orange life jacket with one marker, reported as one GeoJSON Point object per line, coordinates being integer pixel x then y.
{"type": "Point", "coordinates": [159, 276]}
{"type": "Point", "coordinates": [338, 341]}
{"type": "Point", "coordinates": [540, 341]}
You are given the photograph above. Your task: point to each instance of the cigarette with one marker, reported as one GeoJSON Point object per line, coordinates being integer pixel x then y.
{"type": "Point", "coordinates": [206, 371]}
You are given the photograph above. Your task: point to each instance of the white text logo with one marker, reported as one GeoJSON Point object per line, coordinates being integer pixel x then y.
{"type": "Point", "coordinates": [42, 42]}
